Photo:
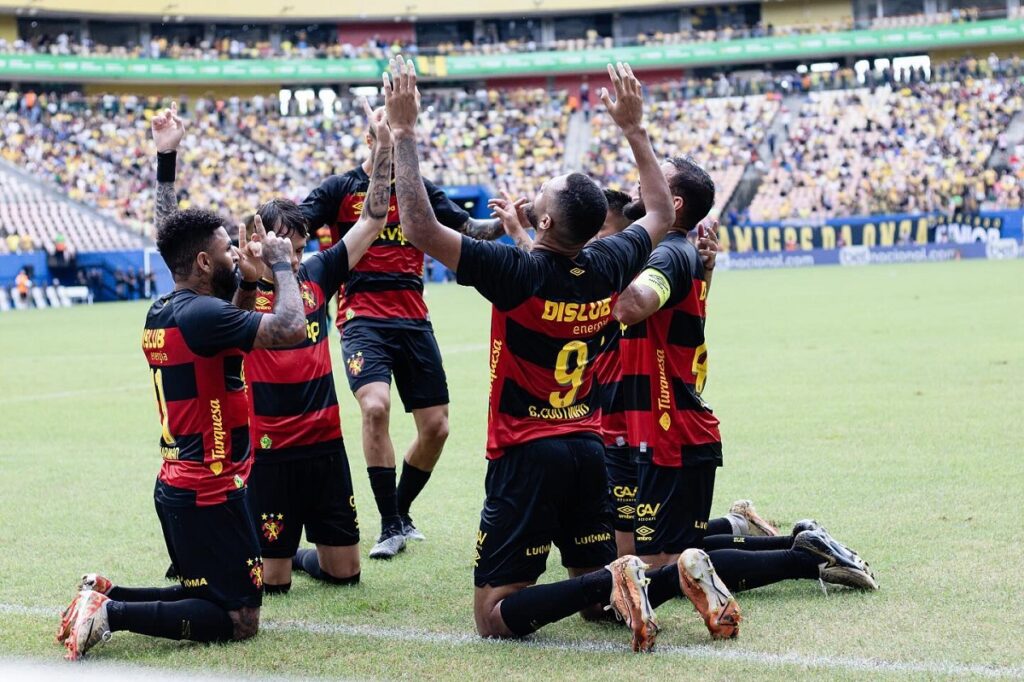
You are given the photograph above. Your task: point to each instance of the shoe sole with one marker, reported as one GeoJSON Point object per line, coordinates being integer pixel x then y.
{"type": "Point", "coordinates": [386, 555]}
{"type": "Point", "coordinates": [835, 572]}
{"type": "Point", "coordinates": [762, 527]}
{"type": "Point", "coordinates": [630, 582]}
{"type": "Point", "coordinates": [709, 595]}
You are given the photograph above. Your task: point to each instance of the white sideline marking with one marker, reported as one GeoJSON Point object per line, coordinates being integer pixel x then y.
{"type": "Point", "coordinates": [696, 652]}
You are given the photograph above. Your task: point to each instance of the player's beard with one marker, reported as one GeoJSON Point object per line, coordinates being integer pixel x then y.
{"type": "Point", "coordinates": [634, 210]}
{"type": "Point", "coordinates": [530, 214]}
{"type": "Point", "coordinates": [224, 282]}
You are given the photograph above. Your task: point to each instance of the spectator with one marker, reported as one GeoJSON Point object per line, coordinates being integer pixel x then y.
{"type": "Point", "coordinates": [22, 284]}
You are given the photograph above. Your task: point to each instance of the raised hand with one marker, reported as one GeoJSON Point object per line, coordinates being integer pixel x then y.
{"type": "Point", "coordinates": [168, 129]}
{"type": "Point", "coordinates": [250, 254]}
{"type": "Point", "coordinates": [707, 241]}
{"type": "Point", "coordinates": [401, 97]}
{"type": "Point", "coordinates": [378, 122]}
{"type": "Point", "coordinates": [274, 249]}
{"type": "Point", "coordinates": [512, 217]}
{"type": "Point", "coordinates": [627, 109]}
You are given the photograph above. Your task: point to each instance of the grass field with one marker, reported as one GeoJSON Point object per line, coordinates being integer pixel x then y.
{"type": "Point", "coordinates": [884, 401]}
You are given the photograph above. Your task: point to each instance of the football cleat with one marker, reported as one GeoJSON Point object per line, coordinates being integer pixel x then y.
{"type": "Point", "coordinates": [410, 531]}
{"type": "Point", "coordinates": [90, 626]}
{"type": "Point", "coordinates": [756, 525]}
{"type": "Point", "coordinates": [390, 542]}
{"type": "Point", "coordinates": [806, 524]}
{"type": "Point", "coordinates": [840, 565]}
{"type": "Point", "coordinates": [67, 619]}
{"type": "Point", "coordinates": [629, 600]}
{"type": "Point", "coordinates": [709, 595]}
{"type": "Point", "coordinates": [94, 582]}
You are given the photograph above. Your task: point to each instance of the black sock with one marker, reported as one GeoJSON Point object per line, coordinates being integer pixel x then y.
{"type": "Point", "coordinates": [283, 588]}
{"type": "Point", "coordinates": [409, 486]}
{"type": "Point", "coordinates": [308, 561]}
{"type": "Point", "coordinates": [664, 585]}
{"type": "Point", "coordinates": [137, 594]}
{"type": "Point", "coordinates": [720, 526]}
{"type": "Point", "coordinates": [382, 482]}
{"type": "Point", "coordinates": [747, 570]}
{"type": "Point", "coordinates": [528, 610]}
{"type": "Point", "coordinates": [194, 619]}
{"type": "Point", "coordinates": [749, 543]}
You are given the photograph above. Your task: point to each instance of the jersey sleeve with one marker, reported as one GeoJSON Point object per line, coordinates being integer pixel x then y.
{"type": "Point", "coordinates": [446, 211]}
{"type": "Point", "coordinates": [623, 255]}
{"type": "Point", "coordinates": [328, 268]}
{"type": "Point", "coordinates": [502, 273]}
{"type": "Point", "coordinates": [672, 260]}
{"type": "Point", "coordinates": [321, 206]}
{"type": "Point", "coordinates": [210, 325]}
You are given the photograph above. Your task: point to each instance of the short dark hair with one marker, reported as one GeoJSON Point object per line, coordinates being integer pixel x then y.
{"type": "Point", "coordinates": [582, 207]}
{"type": "Point", "coordinates": [616, 200]}
{"type": "Point", "coordinates": [285, 211]}
{"type": "Point", "coordinates": [182, 235]}
{"type": "Point", "coordinates": [696, 188]}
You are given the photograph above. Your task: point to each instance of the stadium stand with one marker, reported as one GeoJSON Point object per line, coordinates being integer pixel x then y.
{"type": "Point", "coordinates": [904, 150]}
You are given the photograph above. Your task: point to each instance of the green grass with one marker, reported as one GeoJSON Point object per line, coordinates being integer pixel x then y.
{"type": "Point", "coordinates": [883, 401]}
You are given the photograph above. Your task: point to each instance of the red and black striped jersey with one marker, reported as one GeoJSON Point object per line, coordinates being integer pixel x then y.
{"type": "Point", "coordinates": [549, 324]}
{"type": "Point", "coordinates": [294, 407]}
{"type": "Point", "coordinates": [664, 361]}
{"type": "Point", "coordinates": [386, 287]}
{"type": "Point", "coordinates": [608, 366]}
{"type": "Point", "coordinates": [195, 346]}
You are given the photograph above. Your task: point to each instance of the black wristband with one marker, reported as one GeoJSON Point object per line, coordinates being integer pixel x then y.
{"type": "Point", "coordinates": [248, 286]}
{"type": "Point", "coordinates": [165, 166]}
{"type": "Point", "coordinates": [281, 267]}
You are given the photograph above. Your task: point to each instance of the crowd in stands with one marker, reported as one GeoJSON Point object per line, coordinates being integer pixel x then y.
{"type": "Point", "coordinates": [300, 45]}
{"type": "Point", "coordinates": [905, 141]}
{"type": "Point", "coordinates": [918, 148]}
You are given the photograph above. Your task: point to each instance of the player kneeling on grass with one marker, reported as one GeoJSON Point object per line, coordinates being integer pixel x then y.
{"type": "Point", "coordinates": [546, 482]}
{"type": "Point", "coordinates": [195, 342]}
{"type": "Point", "coordinates": [301, 475]}
{"type": "Point", "coordinates": [675, 436]}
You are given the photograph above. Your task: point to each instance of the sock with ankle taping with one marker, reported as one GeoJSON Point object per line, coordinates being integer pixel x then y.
{"type": "Point", "coordinates": [197, 620]}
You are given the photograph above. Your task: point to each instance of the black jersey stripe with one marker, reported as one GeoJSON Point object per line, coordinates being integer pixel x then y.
{"type": "Point", "coordinates": [685, 330]}
{"type": "Point", "coordinates": [295, 399]}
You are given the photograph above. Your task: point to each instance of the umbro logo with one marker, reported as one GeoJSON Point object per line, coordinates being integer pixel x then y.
{"type": "Point", "coordinates": [645, 532]}
{"type": "Point", "coordinates": [576, 272]}
{"type": "Point", "coordinates": [626, 510]}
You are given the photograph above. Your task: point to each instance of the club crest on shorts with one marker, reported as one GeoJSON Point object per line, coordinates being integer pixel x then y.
{"type": "Point", "coordinates": [355, 364]}
{"type": "Point", "coordinates": [273, 526]}
{"type": "Point", "coordinates": [256, 571]}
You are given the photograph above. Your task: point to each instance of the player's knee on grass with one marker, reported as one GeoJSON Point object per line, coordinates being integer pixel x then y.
{"type": "Point", "coordinates": [246, 623]}
{"type": "Point", "coordinates": [487, 611]}
{"type": "Point", "coordinates": [340, 563]}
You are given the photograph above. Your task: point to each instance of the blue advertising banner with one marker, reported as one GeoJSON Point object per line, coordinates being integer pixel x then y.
{"type": "Point", "coordinates": [1002, 249]}
{"type": "Point", "coordinates": [870, 231]}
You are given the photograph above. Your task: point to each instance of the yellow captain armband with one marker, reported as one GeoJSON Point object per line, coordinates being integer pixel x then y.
{"type": "Point", "coordinates": [656, 282]}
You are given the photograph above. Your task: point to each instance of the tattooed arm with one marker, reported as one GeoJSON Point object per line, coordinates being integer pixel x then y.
{"type": "Point", "coordinates": [378, 195]}
{"type": "Point", "coordinates": [488, 230]}
{"type": "Point", "coordinates": [418, 220]}
{"type": "Point", "coordinates": [168, 129]}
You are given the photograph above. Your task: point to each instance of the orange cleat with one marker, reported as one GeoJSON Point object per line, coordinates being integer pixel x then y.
{"type": "Point", "coordinates": [90, 626]}
{"type": "Point", "coordinates": [629, 600]}
{"type": "Point", "coordinates": [94, 582]}
{"type": "Point", "coordinates": [709, 595]}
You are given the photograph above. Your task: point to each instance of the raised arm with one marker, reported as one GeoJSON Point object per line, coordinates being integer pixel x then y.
{"type": "Point", "coordinates": [627, 110]}
{"type": "Point", "coordinates": [378, 195]}
{"type": "Point", "coordinates": [488, 230]}
{"type": "Point", "coordinates": [421, 228]}
{"type": "Point", "coordinates": [168, 129]}
{"type": "Point", "coordinates": [286, 326]}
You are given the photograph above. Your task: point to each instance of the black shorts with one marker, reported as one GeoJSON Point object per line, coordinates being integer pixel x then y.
{"type": "Point", "coordinates": [621, 464]}
{"type": "Point", "coordinates": [553, 490]}
{"type": "Point", "coordinates": [373, 353]}
{"type": "Point", "coordinates": [673, 506]}
{"type": "Point", "coordinates": [216, 552]}
{"type": "Point", "coordinates": [311, 492]}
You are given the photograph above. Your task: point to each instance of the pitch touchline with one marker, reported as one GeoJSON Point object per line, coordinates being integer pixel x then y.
{"type": "Point", "coordinates": [697, 652]}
